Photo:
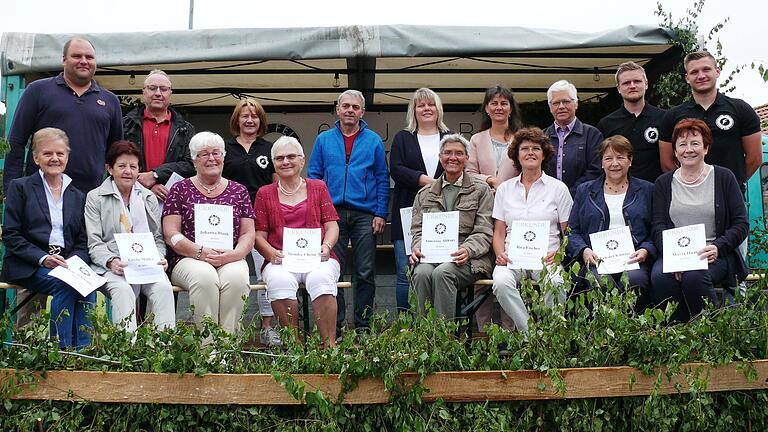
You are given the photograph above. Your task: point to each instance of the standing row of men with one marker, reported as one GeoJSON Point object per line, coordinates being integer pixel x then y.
{"type": "Point", "coordinates": [351, 158]}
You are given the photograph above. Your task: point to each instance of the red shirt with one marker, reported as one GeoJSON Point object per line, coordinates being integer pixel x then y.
{"type": "Point", "coordinates": [348, 141]}
{"type": "Point", "coordinates": [155, 139]}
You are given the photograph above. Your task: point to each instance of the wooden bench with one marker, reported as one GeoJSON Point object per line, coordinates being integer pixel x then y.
{"type": "Point", "coordinates": [258, 286]}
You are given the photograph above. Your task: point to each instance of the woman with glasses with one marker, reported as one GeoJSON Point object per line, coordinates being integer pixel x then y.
{"type": "Point", "coordinates": [414, 164]}
{"type": "Point", "coordinates": [216, 277]}
{"type": "Point", "coordinates": [248, 163]}
{"type": "Point", "coordinates": [295, 202]}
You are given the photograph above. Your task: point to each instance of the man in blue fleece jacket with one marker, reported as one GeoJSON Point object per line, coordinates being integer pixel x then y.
{"type": "Point", "coordinates": [350, 158]}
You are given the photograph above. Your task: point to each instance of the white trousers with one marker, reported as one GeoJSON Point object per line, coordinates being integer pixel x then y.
{"type": "Point", "coordinates": [159, 301]}
{"type": "Point", "coordinates": [282, 284]}
{"type": "Point", "coordinates": [505, 281]}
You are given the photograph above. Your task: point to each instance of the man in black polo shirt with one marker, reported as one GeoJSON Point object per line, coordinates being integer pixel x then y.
{"type": "Point", "coordinates": [735, 125]}
{"type": "Point", "coordinates": [637, 121]}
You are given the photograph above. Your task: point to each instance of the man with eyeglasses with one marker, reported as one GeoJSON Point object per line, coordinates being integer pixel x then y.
{"type": "Point", "coordinates": [577, 145]}
{"type": "Point", "coordinates": [88, 113]}
{"type": "Point", "coordinates": [350, 158]}
{"type": "Point", "coordinates": [161, 133]}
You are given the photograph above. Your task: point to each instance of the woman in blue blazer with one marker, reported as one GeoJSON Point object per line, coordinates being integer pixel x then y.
{"type": "Point", "coordinates": [613, 200]}
{"type": "Point", "coordinates": [414, 163]}
{"type": "Point", "coordinates": [43, 227]}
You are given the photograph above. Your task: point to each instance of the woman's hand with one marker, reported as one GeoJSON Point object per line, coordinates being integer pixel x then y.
{"type": "Point", "coordinates": [493, 182]}
{"type": "Point", "coordinates": [502, 259]}
{"type": "Point", "coordinates": [325, 252]}
{"type": "Point", "coordinates": [709, 252]}
{"type": "Point", "coordinates": [590, 257]}
{"type": "Point", "coordinates": [52, 261]}
{"type": "Point", "coordinates": [550, 258]}
{"type": "Point", "coordinates": [117, 267]}
{"type": "Point", "coordinates": [163, 262]}
{"type": "Point", "coordinates": [277, 257]}
{"type": "Point", "coordinates": [217, 257]}
{"type": "Point", "coordinates": [638, 256]}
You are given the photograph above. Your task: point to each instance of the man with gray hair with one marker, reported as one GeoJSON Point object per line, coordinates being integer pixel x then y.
{"type": "Point", "coordinates": [350, 158]}
{"type": "Point", "coordinates": [161, 133]}
{"type": "Point", "coordinates": [454, 190]}
{"type": "Point", "coordinates": [637, 121]}
{"type": "Point", "coordinates": [577, 145]}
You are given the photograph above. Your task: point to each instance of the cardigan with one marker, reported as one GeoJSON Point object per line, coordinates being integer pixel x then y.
{"type": "Point", "coordinates": [269, 216]}
{"type": "Point", "coordinates": [482, 159]}
{"type": "Point", "coordinates": [731, 223]}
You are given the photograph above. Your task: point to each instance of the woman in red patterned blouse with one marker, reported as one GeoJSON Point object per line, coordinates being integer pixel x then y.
{"type": "Point", "coordinates": [295, 202]}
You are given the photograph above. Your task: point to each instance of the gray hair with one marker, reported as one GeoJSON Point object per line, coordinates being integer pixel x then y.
{"type": "Point", "coordinates": [562, 85]}
{"type": "Point", "coordinates": [353, 93]}
{"type": "Point", "coordinates": [424, 94]}
{"type": "Point", "coordinates": [454, 138]}
{"type": "Point", "coordinates": [156, 72]}
{"type": "Point", "coordinates": [205, 139]}
{"type": "Point", "coordinates": [286, 141]}
{"type": "Point", "coordinates": [48, 134]}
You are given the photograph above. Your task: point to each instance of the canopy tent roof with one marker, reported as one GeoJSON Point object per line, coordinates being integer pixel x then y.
{"type": "Point", "coordinates": [303, 67]}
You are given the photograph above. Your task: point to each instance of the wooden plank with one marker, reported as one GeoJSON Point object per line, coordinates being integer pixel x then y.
{"type": "Point", "coordinates": [261, 389]}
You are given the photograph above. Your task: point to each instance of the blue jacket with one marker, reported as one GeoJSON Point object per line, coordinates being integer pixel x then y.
{"type": "Point", "coordinates": [590, 215]}
{"type": "Point", "coordinates": [27, 226]}
{"type": "Point", "coordinates": [363, 184]}
{"type": "Point", "coordinates": [581, 155]}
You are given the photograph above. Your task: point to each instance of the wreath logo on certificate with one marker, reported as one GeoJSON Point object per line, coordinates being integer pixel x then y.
{"type": "Point", "coordinates": [651, 134]}
{"type": "Point", "coordinates": [724, 121]}
{"type": "Point", "coordinates": [214, 220]}
{"type": "Point", "coordinates": [683, 241]}
{"type": "Point", "coordinates": [85, 271]}
{"type": "Point", "coordinates": [138, 248]}
{"type": "Point", "coordinates": [529, 236]}
{"type": "Point", "coordinates": [440, 228]}
{"type": "Point", "coordinates": [262, 161]}
{"type": "Point", "coordinates": [612, 244]}
{"type": "Point", "coordinates": [302, 243]}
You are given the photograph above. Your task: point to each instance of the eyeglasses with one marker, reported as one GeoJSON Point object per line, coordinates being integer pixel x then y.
{"type": "Point", "coordinates": [215, 154]}
{"type": "Point", "coordinates": [453, 153]}
{"type": "Point", "coordinates": [154, 88]}
{"type": "Point", "coordinates": [565, 102]}
{"type": "Point", "coordinates": [531, 149]}
{"type": "Point", "coordinates": [288, 157]}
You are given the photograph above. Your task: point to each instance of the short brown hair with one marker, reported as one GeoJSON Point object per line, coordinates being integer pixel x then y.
{"type": "Point", "coordinates": [698, 55]}
{"type": "Point", "coordinates": [120, 148]}
{"type": "Point", "coordinates": [534, 135]}
{"type": "Point", "coordinates": [689, 125]}
{"type": "Point", "coordinates": [618, 144]}
{"type": "Point", "coordinates": [626, 67]}
{"type": "Point", "coordinates": [234, 121]}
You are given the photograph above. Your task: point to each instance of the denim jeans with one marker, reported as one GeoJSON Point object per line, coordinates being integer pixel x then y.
{"type": "Point", "coordinates": [357, 226]}
{"type": "Point", "coordinates": [402, 286]}
{"type": "Point", "coordinates": [66, 326]}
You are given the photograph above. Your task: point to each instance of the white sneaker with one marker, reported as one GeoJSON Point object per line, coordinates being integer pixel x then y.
{"type": "Point", "coordinates": [269, 337]}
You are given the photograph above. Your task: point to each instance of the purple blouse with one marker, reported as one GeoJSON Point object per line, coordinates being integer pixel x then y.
{"type": "Point", "coordinates": [184, 195]}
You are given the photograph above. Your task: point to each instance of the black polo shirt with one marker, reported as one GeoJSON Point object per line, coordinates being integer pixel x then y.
{"type": "Point", "coordinates": [253, 169]}
{"type": "Point", "coordinates": [729, 119]}
{"type": "Point", "coordinates": [643, 132]}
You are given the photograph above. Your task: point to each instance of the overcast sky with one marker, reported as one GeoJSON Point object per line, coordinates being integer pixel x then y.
{"type": "Point", "coordinates": [743, 37]}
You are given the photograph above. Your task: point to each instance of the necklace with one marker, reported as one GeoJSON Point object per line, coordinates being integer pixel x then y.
{"type": "Point", "coordinates": [621, 188]}
{"type": "Point", "coordinates": [285, 191]}
{"type": "Point", "coordinates": [694, 181]}
{"type": "Point", "coordinates": [209, 190]}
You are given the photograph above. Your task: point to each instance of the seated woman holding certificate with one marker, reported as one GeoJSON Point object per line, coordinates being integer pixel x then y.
{"type": "Point", "coordinates": [612, 201]}
{"type": "Point", "coordinates": [296, 230]}
{"type": "Point", "coordinates": [208, 222]}
{"type": "Point", "coordinates": [530, 214]}
{"type": "Point", "coordinates": [121, 205]}
{"type": "Point", "coordinates": [43, 227]}
{"type": "Point", "coordinates": [697, 193]}
{"type": "Point", "coordinates": [451, 230]}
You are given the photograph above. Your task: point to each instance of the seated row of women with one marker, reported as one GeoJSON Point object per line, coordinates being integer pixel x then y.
{"type": "Point", "coordinates": [47, 221]}
{"type": "Point", "coordinates": [695, 193]}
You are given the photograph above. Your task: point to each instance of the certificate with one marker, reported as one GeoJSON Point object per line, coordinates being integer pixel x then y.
{"type": "Point", "coordinates": [439, 236]}
{"type": "Point", "coordinates": [213, 226]}
{"type": "Point", "coordinates": [172, 180]}
{"type": "Point", "coordinates": [681, 248]}
{"type": "Point", "coordinates": [613, 247]}
{"type": "Point", "coordinates": [79, 276]}
{"type": "Point", "coordinates": [406, 216]}
{"type": "Point", "coordinates": [301, 249]}
{"type": "Point", "coordinates": [139, 252]}
{"type": "Point", "coordinates": [528, 241]}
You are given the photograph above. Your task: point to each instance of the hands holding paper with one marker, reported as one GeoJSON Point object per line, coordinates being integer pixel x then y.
{"type": "Point", "coordinates": [118, 267]}
{"type": "Point", "coordinates": [218, 257]}
{"type": "Point", "coordinates": [638, 256]}
{"type": "Point", "coordinates": [460, 256]}
{"type": "Point", "coordinates": [52, 261]}
{"type": "Point", "coordinates": [709, 252]}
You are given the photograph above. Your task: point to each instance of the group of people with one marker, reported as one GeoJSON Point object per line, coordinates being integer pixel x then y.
{"type": "Point", "coordinates": [58, 206]}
